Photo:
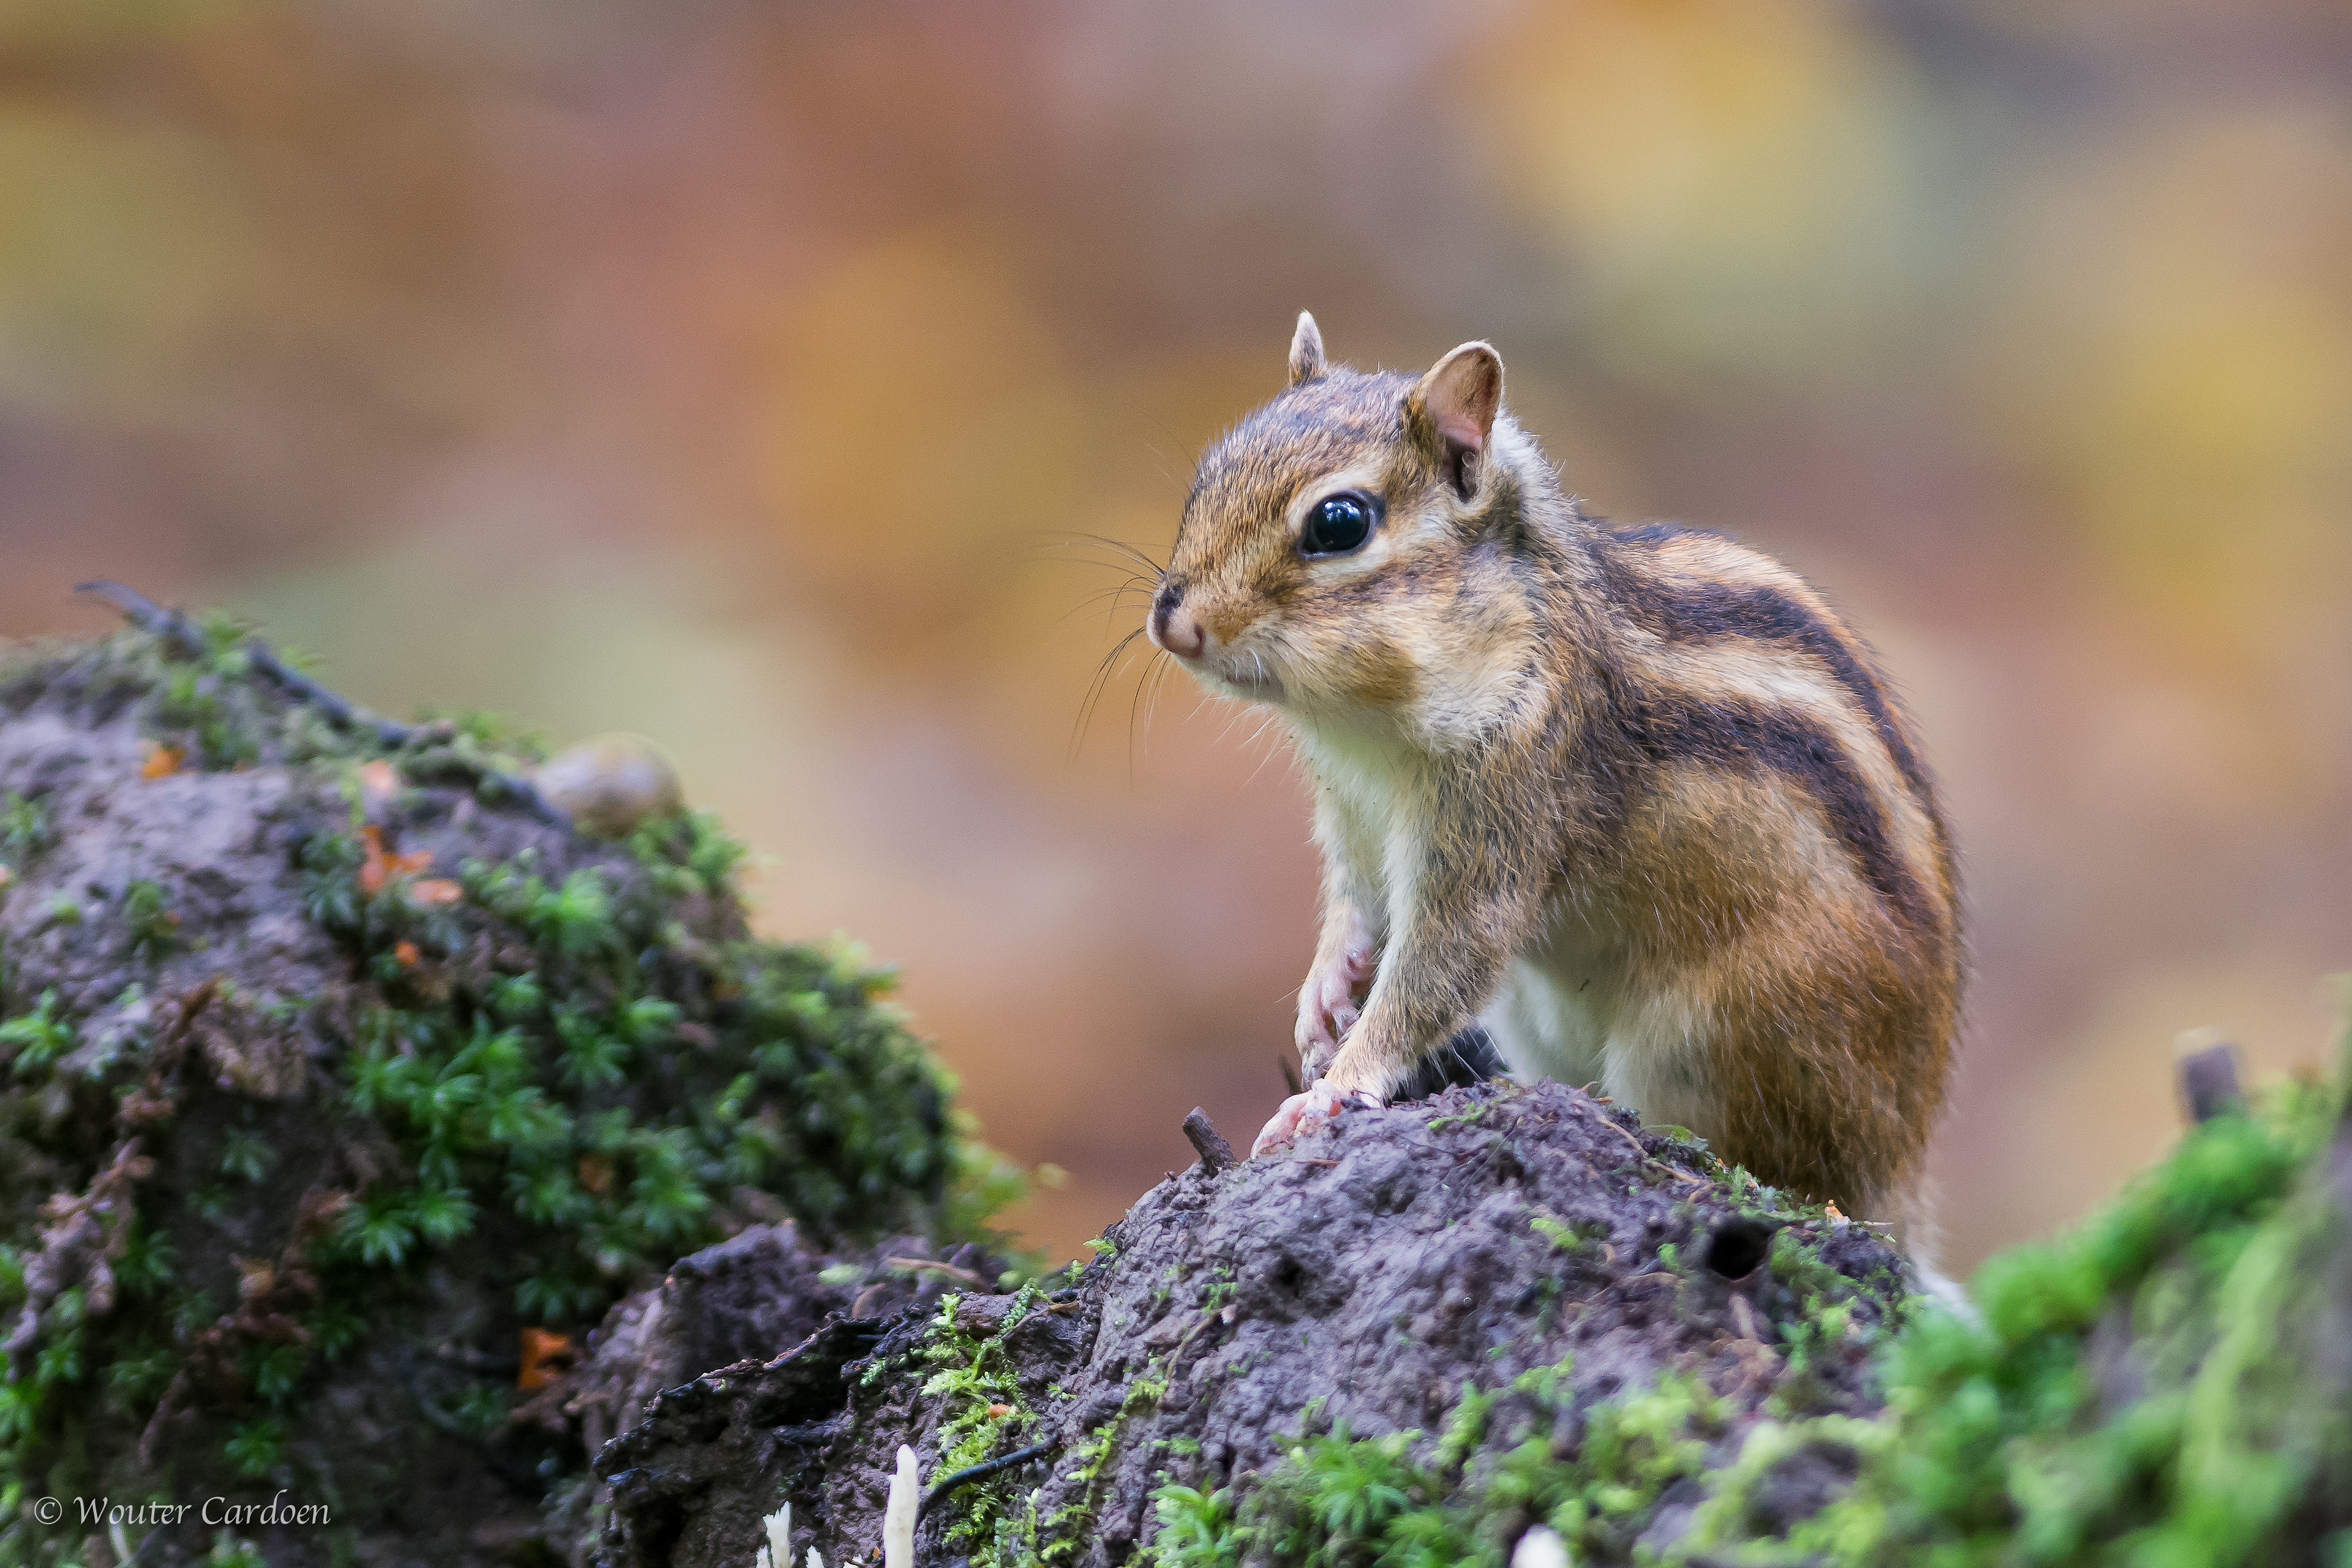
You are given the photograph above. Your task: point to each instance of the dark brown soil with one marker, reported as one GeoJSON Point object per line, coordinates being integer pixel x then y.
{"type": "Point", "coordinates": [1359, 1279]}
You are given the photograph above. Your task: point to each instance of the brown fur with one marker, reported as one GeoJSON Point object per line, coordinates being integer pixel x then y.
{"type": "Point", "coordinates": [1637, 796]}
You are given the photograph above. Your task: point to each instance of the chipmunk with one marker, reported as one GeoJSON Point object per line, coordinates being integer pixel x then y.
{"type": "Point", "coordinates": [1633, 799]}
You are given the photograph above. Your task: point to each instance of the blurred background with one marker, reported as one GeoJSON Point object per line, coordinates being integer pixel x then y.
{"type": "Point", "coordinates": [718, 369]}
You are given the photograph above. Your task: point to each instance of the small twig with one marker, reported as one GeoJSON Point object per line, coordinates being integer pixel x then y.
{"type": "Point", "coordinates": [1610, 1124]}
{"type": "Point", "coordinates": [927, 1265]}
{"type": "Point", "coordinates": [982, 1471]}
{"type": "Point", "coordinates": [1649, 1159]}
{"type": "Point", "coordinates": [1217, 1154]}
{"type": "Point", "coordinates": [175, 629]}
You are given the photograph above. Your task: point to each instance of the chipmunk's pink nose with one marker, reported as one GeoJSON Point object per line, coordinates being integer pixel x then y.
{"type": "Point", "coordinates": [1176, 629]}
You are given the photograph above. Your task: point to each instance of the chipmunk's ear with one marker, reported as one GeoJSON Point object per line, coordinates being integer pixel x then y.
{"type": "Point", "coordinates": [1452, 410]}
{"type": "Point", "coordinates": [1305, 352]}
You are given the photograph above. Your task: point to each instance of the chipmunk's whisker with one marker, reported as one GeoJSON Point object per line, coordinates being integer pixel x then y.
{"type": "Point", "coordinates": [1159, 665]}
{"type": "Point", "coordinates": [1118, 597]}
{"type": "Point", "coordinates": [1103, 672]}
{"type": "Point", "coordinates": [1132, 553]}
{"type": "Point", "coordinates": [1269, 753]}
{"type": "Point", "coordinates": [1157, 679]}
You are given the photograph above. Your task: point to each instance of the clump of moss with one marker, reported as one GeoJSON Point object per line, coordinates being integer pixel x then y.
{"type": "Point", "coordinates": [1066, 1532]}
{"type": "Point", "coordinates": [500, 1077]}
{"type": "Point", "coordinates": [1508, 1458]}
{"type": "Point", "coordinates": [2167, 1384]}
{"type": "Point", "coordinates": [983, 1415]}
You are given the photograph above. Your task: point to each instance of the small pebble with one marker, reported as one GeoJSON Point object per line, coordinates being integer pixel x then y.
{"type": "Point", "coordinates": [611, 784]}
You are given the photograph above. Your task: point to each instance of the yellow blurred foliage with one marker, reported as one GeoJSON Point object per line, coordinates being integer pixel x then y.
{"type": "Point", "coordinates": [121, 249]}
{"type": "Point", "coordinates": [2187, 384]}
{"type": "Point", "coordinates": [917, 433]}
{"type": "Point", "coordinates": [1696, 159]}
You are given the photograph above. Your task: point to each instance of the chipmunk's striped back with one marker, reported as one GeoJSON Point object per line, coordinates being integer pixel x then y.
{"type": "Point", "coordinates": [1753, 824]}
{"type": "Point", "coordinates": [1731, 660]}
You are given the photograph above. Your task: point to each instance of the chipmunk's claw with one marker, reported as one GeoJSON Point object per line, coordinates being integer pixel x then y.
{"type": "Point", "coordinates": [1306, 1111]}
{"type": "Point", "coordinates": [1329, 1007]}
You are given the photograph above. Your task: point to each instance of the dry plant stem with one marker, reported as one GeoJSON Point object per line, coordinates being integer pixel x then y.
{"type": "Point", "coordinates": [175, 627]}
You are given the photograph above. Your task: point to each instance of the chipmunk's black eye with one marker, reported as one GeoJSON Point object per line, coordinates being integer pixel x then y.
{"type": "Point", "coordinates": [1339, 523]}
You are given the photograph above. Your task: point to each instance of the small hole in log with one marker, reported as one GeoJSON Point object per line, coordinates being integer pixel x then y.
{"type": "Point", "coordinates": [1738, 1245]}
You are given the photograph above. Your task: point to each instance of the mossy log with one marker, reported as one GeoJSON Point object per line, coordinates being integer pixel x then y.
{"type": "Point", "coordinates": [332, 1061]}
{"type": "Point", "coordinates": [1431, 1300]}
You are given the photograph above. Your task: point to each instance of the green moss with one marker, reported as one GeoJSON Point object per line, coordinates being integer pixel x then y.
{"type": "Point", "coordinates": [2138, 1392]}
{"type": "Point", "coordinates": [973, 1376]}
{"type": "Point", "coordinates": [584, 1115]}
{"type": "Point", "coordinates": [23, 828]}
{"type": "Point", "coordinates": [1395, 1498]}
{"type": "Point", "coordinates": [1070, 1529]}
{"type": "Point", "coordinates": [1220, 1289]}
{"type": "Point", "coordinates": [37, 1038]}
{"type": "Point", "coordinates": [231, 1550]}
{"type": "Point", "coordinates": [147, 916]}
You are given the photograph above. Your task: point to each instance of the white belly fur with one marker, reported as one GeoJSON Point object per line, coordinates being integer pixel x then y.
{"type": "Point", "coordinates": [1570, 1010]}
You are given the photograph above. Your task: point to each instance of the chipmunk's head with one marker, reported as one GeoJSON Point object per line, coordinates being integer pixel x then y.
{"type": "Point", "coordinates": [1320, 532]}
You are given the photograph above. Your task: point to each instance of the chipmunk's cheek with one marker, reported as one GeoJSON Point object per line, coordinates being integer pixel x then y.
{"type": "Point", "coordinates": [1228, 625]}
{"type": "Point", "coordinates": [1383, 676]}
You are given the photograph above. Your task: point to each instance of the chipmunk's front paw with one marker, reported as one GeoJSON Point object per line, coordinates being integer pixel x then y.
{"type": "Point", "coordinates": [1327, 1010]}
{"type": "Point", "coordinates": [1306, 1111]}
{"type": "Point", "coordinates": [1327, 1005]}
{"type": "Point", "coordinates": [1315, 1059]}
